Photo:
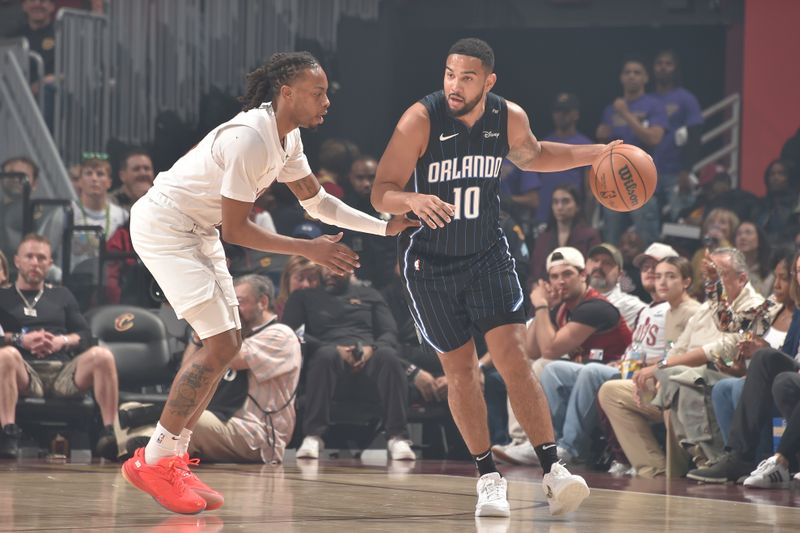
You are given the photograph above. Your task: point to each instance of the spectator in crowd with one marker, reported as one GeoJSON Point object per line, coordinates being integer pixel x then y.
{"type": "Point", "coordinates": [566, 226]}
{"type": "Point", "coordinates": [336, 157]}
{"type": "Point", "coordinates": [40, 32]}
{"type": "Point", "coordinates": [751, 240]}
{"type": "Point", "coordinates": [377, 253]}
{"type": "Point", "coordinates": [570, 319]}
{"type": "Point", "coordinates": [299, 273]}
{"type": "Point", "coordinates": [348, 329]}
{"type": "Point", "coordinates": [725, 394]}
{"type": "Point", "coordinates": [519, 195]}
{"type": "Point", "coordinates": [646, 263]}
{"type": "Point", "coordinates": [718, 231]}
{"type": "Point", "coordinates": [778, 216]}
{"type": "Point", "coordinates": [678, 150]}
{"type": "Point", "coordinates": [641, 120]}
{"type": "Point", "coordinates": [136, 176]}
{"type": "Point", "coordinates": [773, 472]}
{"type": "Point", "coordinates": [251, 416]}
{"type": "Point", "coordinates": [604, 268]}
{"type": "Point", "coordinates": [791, 152]}
{"type": "Point", "coordinates": [630, 246]}
{"type": "Point", "coordinates": [48, 348]}
{"type": "Point", "coordinates": [626, 402]}
{"type": "Point", "coordinates": [753, 413]}
{"type": "Point", "coordinates": [47, 221]}
{"type": "Point", "coordinates": [4, 279]}
{"type": "Point", "coordinates": [94, 208]}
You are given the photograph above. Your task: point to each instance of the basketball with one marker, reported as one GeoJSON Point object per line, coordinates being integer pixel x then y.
{"type": "Point", "coordinates": [624, 178]}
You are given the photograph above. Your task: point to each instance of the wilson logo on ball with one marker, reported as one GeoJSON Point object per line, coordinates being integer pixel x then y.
{"type": "Point", "coordinates": [627, 182]}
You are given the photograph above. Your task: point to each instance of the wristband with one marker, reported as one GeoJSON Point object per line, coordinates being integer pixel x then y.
{"type": "Point", "coordinates": [66, 341]}
{"type": "Point", "coordinates": [412, 371]}
{"type": "Point", "coordinates": [537, 307]}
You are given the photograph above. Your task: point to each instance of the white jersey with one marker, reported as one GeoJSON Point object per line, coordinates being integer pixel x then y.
{"type": "Point", "coordinates": [650, 331]}
{"type": "Point", "coordinates": [238, 159]}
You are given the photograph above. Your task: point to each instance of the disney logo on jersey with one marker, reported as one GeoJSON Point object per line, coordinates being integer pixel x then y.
{"type": "Point", "coordinates": [490, 134]}
{"type": "Point", "coordinates": [468, 166]}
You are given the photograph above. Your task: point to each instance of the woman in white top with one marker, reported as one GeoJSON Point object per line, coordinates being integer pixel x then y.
{"type": "Point", "coordinates": [174, 232]}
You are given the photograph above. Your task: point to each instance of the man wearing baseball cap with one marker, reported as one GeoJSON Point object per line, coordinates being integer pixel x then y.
{"type": "Point", "coordinates": [572, 319]}
{"type": "Point", "coordinates": [646, 263]}
{"type": "Point", "coordinates": [604, 266]}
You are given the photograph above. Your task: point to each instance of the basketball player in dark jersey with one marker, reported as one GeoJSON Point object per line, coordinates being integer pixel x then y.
{"type": "Point", "coordinates": [457, 270]}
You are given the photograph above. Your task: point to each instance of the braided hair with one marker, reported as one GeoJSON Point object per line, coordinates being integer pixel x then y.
{"type": "Point", "coordinates": [281, 69]}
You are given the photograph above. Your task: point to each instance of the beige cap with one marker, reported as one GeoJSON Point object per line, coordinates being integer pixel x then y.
{"type": "Point", "coordinates": [609, 249]}
{"type": "Point", "coordinates": [657, 251]}
{"type": "Point", "coordinates": [566, 255]}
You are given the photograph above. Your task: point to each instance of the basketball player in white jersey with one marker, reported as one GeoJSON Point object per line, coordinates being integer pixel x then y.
{"type": "Point", "coordinates": [174, 232]}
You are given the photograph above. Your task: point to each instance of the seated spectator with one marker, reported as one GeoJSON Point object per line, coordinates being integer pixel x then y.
{"type": "Point", "coordinates": [40, 32]}
{"type": "Point", "coordinates": [718, 231]}
{"type": "Point", "coordinates": [299, 273]}
{"type": "Point", "coordinates": [47, 221]}
{"type": "Point", "coordinates": [777, 213]}
{"type": "Point", "coordinates": [646, 263]}
{"type": "Point", "coordinates": [753, 413]}
{"type": "Point", "coordinates": [626, 402]}
{"type": "Point", "coordinates": [376, 254]}
{"type": "Point", "coordinates": [348, 329]}
{"type": "Point", "coordinates": [136, 176]}
{"type": "Point", "coordinates": [604, 268]}
{"type": "Point", "coordinates": [336, 156]}
{"type": "Point", "coordinates": [725, 394]}
{"type": "Point", "coordinates": [4, 279]}
{"type": "Point", "coordinates": [251, 416]}
{"type": "Point", "coordinates": [630, 246]}
{"type": "Point", "coordinates": [573, 320]}
{"type": "Point", "coordinates": [47, 348]}
{"type": "Point", "coordinates": [751, 240]}
{"type": "Point", "coordinates": [774, 471]}
{"type": "Point", "coordinates": [566, 226]}
{"type": "Point", "coordinates": [94, 208]}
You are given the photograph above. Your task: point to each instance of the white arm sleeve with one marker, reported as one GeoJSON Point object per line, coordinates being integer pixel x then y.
{"type": "Point", "coordinates": [333, 211]}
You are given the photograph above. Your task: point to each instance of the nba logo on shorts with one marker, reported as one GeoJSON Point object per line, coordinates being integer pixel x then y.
{"type": "Point", "coordinates": [417, 264]}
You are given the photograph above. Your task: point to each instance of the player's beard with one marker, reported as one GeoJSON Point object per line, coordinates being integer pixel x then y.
{"type": "Point", "coordinates": [468, 106]}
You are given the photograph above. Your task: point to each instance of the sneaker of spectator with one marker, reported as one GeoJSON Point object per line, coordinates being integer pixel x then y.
{"type": "Point", "coordinates": [519, 454]}
{"type": "Point", "coordinates": [310, 448]}
{"type": "Point", "coordinates": [728, 468]}
{"type": "Point", "coordinates": [772, 473]}
{"type": "Point", "coordinates": [619, 469]}
{"type": "Point", "coordinates": [400, 450]}
{"type": "Point", "coordinates": [10, 436]}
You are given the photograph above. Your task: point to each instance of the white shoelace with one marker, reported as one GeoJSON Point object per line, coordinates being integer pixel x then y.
{"type": "Point", "coordinates": [493, 491]}
{"type": "Point", "coordinates": [765, 465]}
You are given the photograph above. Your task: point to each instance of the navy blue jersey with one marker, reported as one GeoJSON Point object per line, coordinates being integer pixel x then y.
{"type": "Point", "coordinates": [462, 167]}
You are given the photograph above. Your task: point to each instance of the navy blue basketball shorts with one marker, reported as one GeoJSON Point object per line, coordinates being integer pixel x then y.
{"type": "Point", "coordinates": [447, 295]}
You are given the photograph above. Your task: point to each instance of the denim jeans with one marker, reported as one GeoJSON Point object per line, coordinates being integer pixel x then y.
{"type": "Point", "coordinates": [725, 395]}
{"type": "Point", "coordinates": [571, 391]}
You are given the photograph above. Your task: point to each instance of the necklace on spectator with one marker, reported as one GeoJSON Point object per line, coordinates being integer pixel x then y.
{"type": "Point", "coordinates": [30, 308]}
{"type": "Point", "coordinates": [108, 217]}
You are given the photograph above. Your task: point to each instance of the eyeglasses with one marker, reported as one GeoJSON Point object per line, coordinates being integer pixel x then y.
{"type": "Point", "coordinates": [88, 156]}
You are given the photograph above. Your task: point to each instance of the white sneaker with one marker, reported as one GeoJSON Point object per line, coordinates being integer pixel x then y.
{"type": "Point", "coordinates": [618, 469]}
{"type": "Point", "coordinates": [520, 454]}
{"type": "Point", "coordinates": [400, 450]}
{"type": "Point", "coordinates": [564, 491]}
{"type": "Point", "coordinates": [310, 448]}
{"type": "Point", "coordinates": [797, 476]}
{"type": "Point", "coordinates": [769, 474]}
{"type": "Point", "coordinates": [492, 499]}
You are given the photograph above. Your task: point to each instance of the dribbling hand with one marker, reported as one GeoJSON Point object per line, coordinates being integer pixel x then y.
{"type": "Point", "coordinates": [432, 210]}
{"type": "Point", "coordinates": [326, 251]}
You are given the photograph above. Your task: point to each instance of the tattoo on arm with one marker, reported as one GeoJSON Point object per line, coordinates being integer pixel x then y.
{"type": "Point", "coordinates": [191, 388]}
{"type": "Point", "coordinates": [304, 188]}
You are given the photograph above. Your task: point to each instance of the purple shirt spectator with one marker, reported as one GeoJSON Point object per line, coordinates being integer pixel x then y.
{"type": "Point", "coordinates": [648, 109]}
{"type": "Point", "coordinates": [517, 182]}
{"type": "Point", "coordinates": [682, 109]}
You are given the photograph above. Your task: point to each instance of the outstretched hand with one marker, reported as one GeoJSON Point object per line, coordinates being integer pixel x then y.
{"type": "Point", "coordinates": [326, 251]}
{"type": "Point", "coordinates": [399, 224]}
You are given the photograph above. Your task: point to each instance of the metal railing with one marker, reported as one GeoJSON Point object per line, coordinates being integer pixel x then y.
{"type": "Point", "coordinates": [22, 127]}
{"type": "Point", "coordinates": [730, 127]}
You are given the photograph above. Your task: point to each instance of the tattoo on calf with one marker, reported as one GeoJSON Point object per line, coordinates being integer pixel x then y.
{"type": "Point", "coordinates": [187, 393]}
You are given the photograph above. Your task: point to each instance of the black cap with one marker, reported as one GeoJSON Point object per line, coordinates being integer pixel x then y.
{"type": "Point", "coordinates": [565, 102]}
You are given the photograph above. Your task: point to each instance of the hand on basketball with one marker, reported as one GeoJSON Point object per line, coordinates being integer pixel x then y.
{"type": "Point", "coordinates": [326, 251]}
{"type": "Point", "coordinates": [399, 224]}
{"type": "Point", "coordinates": [432, 210]}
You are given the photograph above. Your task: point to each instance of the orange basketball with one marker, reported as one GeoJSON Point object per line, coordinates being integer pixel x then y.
{"type": "Point", "coordinates": [624, 178]}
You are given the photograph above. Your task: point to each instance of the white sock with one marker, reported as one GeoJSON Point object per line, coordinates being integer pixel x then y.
{"type": "Point", "coordinates": [183, 443]}
{"type": "Point", "coordinates": [162, 444]}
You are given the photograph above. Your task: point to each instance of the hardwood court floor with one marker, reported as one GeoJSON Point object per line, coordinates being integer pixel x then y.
{"type": "Point", "coordinates": [345, 496]}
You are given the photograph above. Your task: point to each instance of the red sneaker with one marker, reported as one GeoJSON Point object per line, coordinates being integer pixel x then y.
{"type": "Point", "coordinates": [214, 499]}
{"type": "Point", "coordinates": [164, 481]}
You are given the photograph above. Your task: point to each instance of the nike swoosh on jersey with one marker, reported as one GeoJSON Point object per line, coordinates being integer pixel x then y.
{"type": "Point", "coordinates": [442, 136]}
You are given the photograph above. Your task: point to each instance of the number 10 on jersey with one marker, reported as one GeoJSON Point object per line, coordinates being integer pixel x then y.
{"type": "Point", "coordinates": [467, 201]}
